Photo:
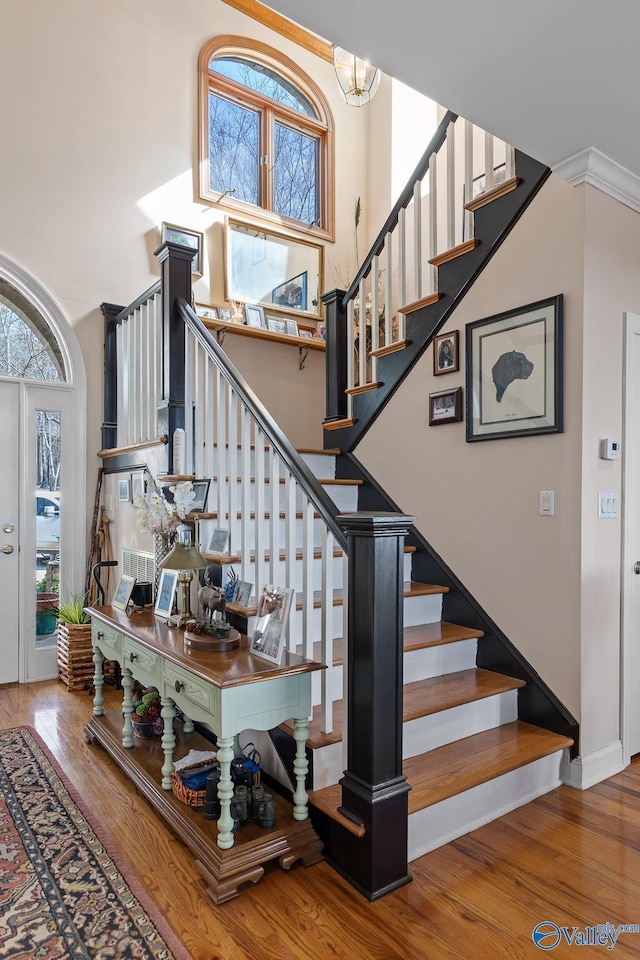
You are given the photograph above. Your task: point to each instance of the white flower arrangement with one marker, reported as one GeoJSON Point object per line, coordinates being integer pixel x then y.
{"type": "Point", "coordinates": [154, 512]}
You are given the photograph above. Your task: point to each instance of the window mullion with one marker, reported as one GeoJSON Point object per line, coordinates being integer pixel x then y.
{"type": "Point", "coordinates": [266, 169]}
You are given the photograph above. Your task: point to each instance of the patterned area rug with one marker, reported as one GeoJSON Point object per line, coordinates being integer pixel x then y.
{"type": "Point", "coordinates": [62, 895]}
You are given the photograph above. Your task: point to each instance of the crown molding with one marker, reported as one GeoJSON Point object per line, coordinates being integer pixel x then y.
{"type": "Point", "coordinates": [287, 28]}
{"type": "Point", "coordinates": [599, 171]}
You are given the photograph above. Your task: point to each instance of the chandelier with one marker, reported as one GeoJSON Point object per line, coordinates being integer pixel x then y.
{"type": "Point", "coordinates": [358, 79]}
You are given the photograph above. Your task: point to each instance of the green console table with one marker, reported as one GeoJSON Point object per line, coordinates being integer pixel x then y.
{"type": "Point", "coordinates": [230, 692]}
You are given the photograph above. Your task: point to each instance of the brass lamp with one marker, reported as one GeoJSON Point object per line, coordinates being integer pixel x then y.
{"type": "Point", "coordinates": [185, 558]}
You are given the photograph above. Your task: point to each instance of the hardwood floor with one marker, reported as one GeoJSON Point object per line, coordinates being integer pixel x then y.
{"type": "Point", "coordinates": [569, 857]}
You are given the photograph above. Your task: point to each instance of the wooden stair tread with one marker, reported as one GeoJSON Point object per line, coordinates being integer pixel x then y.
{"type": "Point", "coordinates": [456, 767]}
{"type": "Point", "coordinates": [328, 800]}
{"type": "Point", "coordinates": [391, 348]}
{"type": "Point", "coordinates": [412, 588]}
{"type": "Point", "coordinates": [422, 699]}
{"type": "Point", "coordinates": [454, 252]}
{"type": "Point", "coordinates": [225, 559]}
{"type": "Point", "coordinates": [328, 481]}
{"type": "Point", "coordinates": [321, 453]}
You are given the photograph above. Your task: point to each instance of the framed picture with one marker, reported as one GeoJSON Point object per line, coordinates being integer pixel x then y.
{"type": "Point", "coordinates": [187, 238]}
{"type": "Point", "coordinates": [305, 332]}
{"type": "Point", "coordinates": [292, 293]}
{"type": "Point", "coordinates": [209, 313]}
{"type": "Point", "coordinates": [218, 542]}
{"type": "Point", "coordinates": [254, 315]}
{"type": "Point", "coordinates": [137, 484]}
{"type": "Point", "coordinates": [273, 610]}
{"type": "Point", "coordinates": [242, 593]}
{"type": "Point", "coordinates": [276, 325]}
{"type": "Point", "coordinates": [201, 490]}
{"type": "Point", "coordinates": [445, 353]}
{"type": "Point", "coordinates": [123, 490]}
{"type": "Point", "coordinates": [123, 593]}
{"type": "Point", "coordinates": [224, 313]}
{"type": "Point", "coordinates": [166, 593]}
{"type": "Point", "coordinates": [514, 372]}
{"type": "Point", "coordinates": [445, 406]}
{"type": "Point", "coordinates": [292, 327]}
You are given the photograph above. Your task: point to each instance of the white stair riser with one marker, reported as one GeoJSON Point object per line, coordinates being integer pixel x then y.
{"type": "Point", "coordinates": [315, 623]}
{"type": "Point", "coordinates": [281, 532]}
{"type": "Point", "coordinates": [422, 609]}
{"type": "Point", "coordinates": [442, 822]}
{"type": "Point", "coordinates": [321, 465]}
{"type": "Point", "coordinates": [344, 497]}
{"type": "Point", "coordinates": [435, 661]}
{"type": "Point", "coordinates": [447, 726]}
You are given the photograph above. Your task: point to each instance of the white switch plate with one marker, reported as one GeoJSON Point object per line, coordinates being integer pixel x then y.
{"type": "Point", "coordinates": [547, 503]}
{"type": "Point", "coordinates": [607, 506]}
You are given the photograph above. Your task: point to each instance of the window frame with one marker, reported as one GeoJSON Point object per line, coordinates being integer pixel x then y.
{"type": "Point", "coordinates": [269, 111]}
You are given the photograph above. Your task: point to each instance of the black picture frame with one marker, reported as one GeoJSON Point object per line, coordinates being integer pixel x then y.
{"type": "Point", "coordinates": [514, 363]}
{"type": "Point", "coordinates": [446, 354]}
{"type": "Point", "coordinates": [201, 490]}
{"type": "Point", "coordinates": [445, 406]}
{"type": "Point", "coordinates": [291, 294]}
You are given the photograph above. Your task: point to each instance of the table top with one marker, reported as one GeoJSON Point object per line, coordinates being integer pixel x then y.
{"type": "Point", "coordinates": [225, 669]}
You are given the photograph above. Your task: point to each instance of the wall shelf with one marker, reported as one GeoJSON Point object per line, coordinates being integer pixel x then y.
{"type": "Point", "coordinates": [242, 330]}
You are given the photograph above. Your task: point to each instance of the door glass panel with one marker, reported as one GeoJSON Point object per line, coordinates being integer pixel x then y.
{"type": "Point", "coordinates": [47, 510]}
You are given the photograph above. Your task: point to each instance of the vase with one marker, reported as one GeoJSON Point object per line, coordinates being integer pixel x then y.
{"type": "Point", "coordinates": [162, 546]}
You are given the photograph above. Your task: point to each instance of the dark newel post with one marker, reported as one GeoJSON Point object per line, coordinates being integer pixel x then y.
{"type": "Point", "coordinates": [110, 414]}
{"type": "Point", "coordinates": [374, 790]}
{"type": "Point", "coordinates": [175, 263]}
{"type": "Point", "coordinates": [336, 364]}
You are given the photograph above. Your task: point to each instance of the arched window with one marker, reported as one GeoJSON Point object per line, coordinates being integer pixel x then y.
{"type": "Point", "coordinates": [266, 135]}
{"type": "Point", "coordinates": [28, 347]}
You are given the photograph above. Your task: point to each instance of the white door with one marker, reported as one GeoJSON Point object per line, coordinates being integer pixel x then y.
{"type": "Point", "coordinates": [630, 681]}
{"type": "Point", "coordinates": [9, 530]}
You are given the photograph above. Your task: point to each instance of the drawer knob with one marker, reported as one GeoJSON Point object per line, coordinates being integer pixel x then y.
{"type": "Point", "coordinates": [133, 657]}
{"type": "Point", "coordinates": [100, 635]}
{"type": "Point", "coordinates": [178, 686]}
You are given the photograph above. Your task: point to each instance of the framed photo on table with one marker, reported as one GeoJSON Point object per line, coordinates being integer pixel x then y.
{"type": "Point", "coordinates": [514, 372]}
{"type": "Point", "coordinates": [123, 593]}
{"type": "Point", "coordinates": [269, 634]}
{"type": "Point", "coordinates": [166, 593]}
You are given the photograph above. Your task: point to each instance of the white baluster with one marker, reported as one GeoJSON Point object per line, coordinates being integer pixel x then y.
{"type": "Point", "coordinates": [208, 401]}
{"type": "Point", "coordinates": [488, 161]}
{"type": "Point", "coordinates": [345, 660]}
{"type": "Point", "coordinates": [362, 334]}
{"type": "Point", "coordinates": [509, 162]}
{"type": "Point", "coordinates": [417, 240]}
{"type": "Point", "coordinates": [120, 425]}
{"type": "Point", "coordinates": [190, 394]}
{"type": "Point", "coordinates": [220, 467]}
{"type": "Point", "coordinates": [290, 549]}
{"type": "Point", "coordinates": [236, 526]}
{"type": "Point", "coordinates": [157, 362]}
{"type": "Point", "coordinates": [468, 178]}
{"type": "Point", "coordinates": [200, 414]}
{"type": "Point", "coordinates": [307, 578]}
{"type": "Point", "coordinates": [274, 516]}
{"type": "Point", "coordinates": [261, 527]}
{"type": "Point", "coordinates": [350, 354]}
{"type": "Point", "coordinates": [433, 219]}
{"type": "Point", "coordinates": [245, 487]}
{"type": "Point", "coordinates": [375, 325]}
{"type": "Point", "coordinates": [326, 646]}
{"type": "Point", "coordinates": [388, 332]}
{"type": "Point", "coordinates": [402, 257]}
{"type": "Point", "coordinates": [451, 186]}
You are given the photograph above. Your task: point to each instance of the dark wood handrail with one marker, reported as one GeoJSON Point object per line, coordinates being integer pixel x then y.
{"type": "Point", "coordinates": [403, 200]}
{"type": "Point", "coordinates": [291, 458]}
{"type": "Point", "coordinates": [143, 298]}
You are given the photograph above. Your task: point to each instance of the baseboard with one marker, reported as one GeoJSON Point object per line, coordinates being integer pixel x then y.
{"type": "Point", "coordinates": [584, 772]}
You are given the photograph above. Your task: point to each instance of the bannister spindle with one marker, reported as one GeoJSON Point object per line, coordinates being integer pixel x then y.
{"type": "Point", "coordinates": [350, 354]}
{"type": "Point", "coordinates": [209, 426]}
{"type": "Point", "coordinates": [326, 630]}
{"type": "Point", "coordinates": [120, 419]}
{"type": "Point", "coordinates": [362, 334]}
{"type": "Point", "coordinates": [488, 161]}
{"type": "Point", "coordinates": [433, 220]}
{"type": "Point", "coordinates": [276, 491]}
{"type": "Point", "coordinates": [387, 290]}
{"type": "Point", "coordinates": [417, 240]}
{"type": "Point", "coordinates": [402, 257]}
{"type": "Point", "coordinates": [235, 525]}
{"type": "Point", "coordinates": [190, 362]}
{"type": "Point", "coordinates": [307, 578]}
{"type": "Point", "coordinates": [290, 538]}
{"type": "Point", "coordinates": [246, 486]}
{"type": "Point", "coordinates": [509, 162]}
{"type": "Point", "coordinates": [262, 528]}
{"type": "Point", "coordinates": [220, 413]}
{"type": "Point", "coordinates": [468, 178]}
{"type": "Point", "coordinates": [451, 187]}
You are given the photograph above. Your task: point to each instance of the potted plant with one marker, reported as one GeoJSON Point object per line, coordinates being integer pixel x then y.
{"type": "Point", "coordinates": [146, 718]}
{"type": "Point", "coordinates": [75, 651]}
{"type": "Point", "coordinates": [46, 608]}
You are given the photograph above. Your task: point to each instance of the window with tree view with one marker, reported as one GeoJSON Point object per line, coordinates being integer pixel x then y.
{"type": "Point", "coordinates": [267, 136]}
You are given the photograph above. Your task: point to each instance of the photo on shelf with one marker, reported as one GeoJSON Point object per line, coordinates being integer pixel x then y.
{"type": "Point", "coordinates": [269, 634]}
{"type": "Point", "coordinates": [242, 593]}
{"type": "Point", "coordinates": [218, 541]}
{"type": "Point", "coordinates": [276, 325]}
{"type": "Point", "coordinates": [254, 315]}
{"type": "Point", "coordinates": [292, 327]}
{"type": "Point", "coordinates": [186, 238]}
{"type": "Point", "coordinates": [225, 313]}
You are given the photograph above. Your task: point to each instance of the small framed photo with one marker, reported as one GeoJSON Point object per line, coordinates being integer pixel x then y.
{"type": "Point", "coordinates": [514, 372]}
{"type": "Point", "coordinates": [218, 542]}
{"type": "Point", "coordinates": [208, 313]}
{"type": "Point", "coordinates": [225, 313]}
{"type": "Point", "coordinates": [201, 490]}
{"type": "Point", "coordinates": [445, 353]}
{"type": "Point", "coordinates": [137, 484]}
{"type": "Point", "coordinates": [242, 593]}
{"type": "Point", "coordinates": [307, 333]}
{"type": "Point", "coordinates": [254, 315]}
{"type": "Point", "coordinates": [123, 593]}
{"type": "Point", "coordinates": [292, 327]}
{"type": "Point", "coordinates": [445, 406]}
{"type": "Point", "coordinates": [186, 238]}
{"type": "Point", "coordinates": [166, 593]}
{"type": "Point", "coordinates": [123, 490]}
{"type": "Point", "coordinates": [275, 325]}
{"type": "Point", "coordinates": [269, 634]}
{"type": "Point", "coordinates": [292, 293]}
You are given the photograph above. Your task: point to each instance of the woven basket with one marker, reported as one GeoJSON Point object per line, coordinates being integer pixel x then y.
{"type": "Point", "coordinates": [193, 798]}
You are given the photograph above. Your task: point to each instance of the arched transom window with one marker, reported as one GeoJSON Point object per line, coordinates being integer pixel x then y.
{"type": "Point", "coordinates": [266, 135]}
{"type": "Point", "coordinates": [28, 347]}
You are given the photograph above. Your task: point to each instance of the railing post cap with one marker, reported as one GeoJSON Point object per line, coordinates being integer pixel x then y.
{"type": "Point", "coordinates": [375, 523]}
{"type": "Point", "coordinates": [175, 250]}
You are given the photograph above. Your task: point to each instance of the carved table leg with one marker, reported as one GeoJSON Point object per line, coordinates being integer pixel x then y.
{"type": "Point", "coordinates": [187, 724]}
{"type": "Point", "coordinates": [98, 681]}
{"type": "Point", "coordinates": [167, 713]}
{"type": "Point", "coordinates": [225, 792]}
{"type": "Point", "coordinates": [300, 766]}
{"type": "Point", "coordinates": [127, 708]}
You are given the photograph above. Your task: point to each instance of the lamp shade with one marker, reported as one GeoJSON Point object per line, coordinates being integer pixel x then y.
{"type": "Point", "coordinates": [358, 79]}
{"type": "Point", "coordinates": [183, 556]}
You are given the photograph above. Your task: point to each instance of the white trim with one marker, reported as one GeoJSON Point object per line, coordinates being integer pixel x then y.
{"type": "Point", "coordinates": [599, 171]}
{"type": "Point", "coordinates": [585, 772]}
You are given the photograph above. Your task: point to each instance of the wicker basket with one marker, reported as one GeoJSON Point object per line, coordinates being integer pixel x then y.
{"type": "Point", "coordinates": [75, 657]}
{"type": "Point", "coordinates": [193, 798]}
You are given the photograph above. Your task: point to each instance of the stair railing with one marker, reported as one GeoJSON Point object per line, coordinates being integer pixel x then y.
{"type": "Point", "coordinates": [432, 218]}
{"type": "Point", "coordinates": [261, 488]}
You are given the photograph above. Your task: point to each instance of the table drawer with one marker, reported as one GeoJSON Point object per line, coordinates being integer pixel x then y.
{"type": "Point", "coordinates": [108, 640]}
{"type": "Point", "coordinates": [179, 684]}
{"type": "Point", "coordinates": [144, 664]}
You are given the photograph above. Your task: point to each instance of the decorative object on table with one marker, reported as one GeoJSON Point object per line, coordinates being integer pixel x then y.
{"type": "Point", "coordinates": [445, 353]}
{"type": "Point", "coordinates": [211, 630]}
{"type": "Point", "coordinates": [269, 634]}
{"type": "Point", "coordinates": [123, 592]}
{"type": "Point", "coordinates": [92, 909]}
{"type": "Point", "coordinates": [445, 406]}
{"type": "Point", "coordinates": [241, 797]}
{"type": "Point", "coordinates": [160, 511]}
{"type": "Point", "coordinates": [146, 719]}
{"type": "Point", "coordinates": [166, 593]}
{"type": "Point", "coordinates": [254, 315]}
{"type": "Point", "coordinates": [514, 372]}
{"type": "Point", "coordinates": [183, 560]}
{"type": "Point", "coordinates": [225, 313]}
{"type": "Point", "coordinates": [186, 238]}
{"type": "Point", "coordinates": [218, 542]}
{"type": "Point", "coordinates": [231, 584]}
{"type": "Point", "coordinates": [242, 593]}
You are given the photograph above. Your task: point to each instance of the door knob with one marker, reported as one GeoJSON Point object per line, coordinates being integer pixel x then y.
{"type": "Point", "coordinates": [8, 527]}
{"type": "Point", "coordinates": [636, 566]}
{"type": "Point", "coordinates": [7, 548]}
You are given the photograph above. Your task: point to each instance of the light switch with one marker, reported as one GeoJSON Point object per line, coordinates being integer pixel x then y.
{"type": "Point", "coordinates": [547, 503]}
{"type": "Point", "coordinates": [607, 506]}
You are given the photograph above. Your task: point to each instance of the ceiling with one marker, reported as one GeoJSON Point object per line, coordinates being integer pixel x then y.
{"type": "Point", "coordinates": [553, 78]}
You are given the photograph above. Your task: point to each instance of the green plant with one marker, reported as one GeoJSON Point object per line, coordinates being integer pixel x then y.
{"type": "Point", "coordinates": [71, 609]}
{"type": "Point", "coordinates": [42, 586]}
{"type": "Point", "coordinates": [148, 709]}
